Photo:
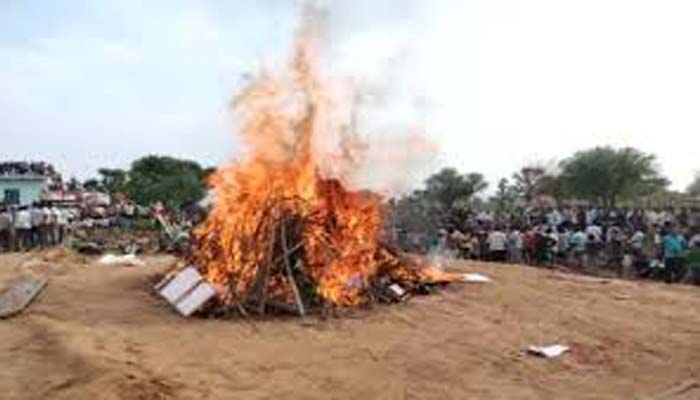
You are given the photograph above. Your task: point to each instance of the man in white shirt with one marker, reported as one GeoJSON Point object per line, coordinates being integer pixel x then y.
{"type": "Point", "coordinates": [666, 217]}
{"type": "Point", "coordinates": [614, 234]}
{"type": "Point", "coordinates": [653, 217]}
{"type": "Point", "coordinates": [595, 231]}
{"type": "Point", "coordinates": [23, 228]}
{"type": "Point", "coordinates": [37, 218]}
{"type": "Point", "coordinates": [594, 242]}
{"type": "Point", "coordinates": [591, 216]}
{"type": "Point", "coordinates": [637, 240]}
{"type": "Point", "coordinates": [62, 222]}
{"type": "Point", "coordinates": [52, 227]}
{"type": "Point", "coordinates": [46, 224]}
{"type": "Point", "coordinates": [515, 246]}
{"type": "Point", "coordinates": [498, 242]}
{"type": "Point", "coordinates": [563, 244]}
{"type": "Point", "coordinates": [5, 223]}
{"type": "Point", "coordinates": [579, 241]}
{"type": "Point", "coordinates": [554, 218]}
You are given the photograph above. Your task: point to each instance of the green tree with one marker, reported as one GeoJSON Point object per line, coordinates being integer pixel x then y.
{"type": "Point", "coordinates": [73, 184]}
{"type": "Point", "coordinates": [92, 184]}
{"type": "Point", "coordinates": [505, 197]}
{"type": "Point", "coordinates": [606, 175]}
{"type": "Point", "coordinates": [175, 183]}
{"type": "Point", "coordinates": [448, 187]}
{"type": "Point", "coordinates": [534, 180]}
{"type": "Point", "coordinates": [552, 185]}
{"type": "Point", "coordinates": [694, 188]}
{"type": "Point", "coordinates": [444, 202]}
{"type": "Point", "coordinates": [414, 213]}
{"type": "Point", "coordinates": [113, 180]}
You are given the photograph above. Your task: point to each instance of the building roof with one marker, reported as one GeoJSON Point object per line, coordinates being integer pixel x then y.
{"type": "Point", "coordinates": [23, 177]}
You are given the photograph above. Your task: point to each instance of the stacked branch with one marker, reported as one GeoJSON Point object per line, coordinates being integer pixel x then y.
{"type": "Point", "coordinates": [282, 282]}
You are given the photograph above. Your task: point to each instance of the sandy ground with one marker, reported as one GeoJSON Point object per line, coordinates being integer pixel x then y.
{"type": "Point", "coordinates": [97, 333]}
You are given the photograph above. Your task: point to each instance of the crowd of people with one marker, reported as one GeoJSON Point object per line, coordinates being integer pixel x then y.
{"type": "Point", "coordinates": [44, 224]}
{"type": "Point", "coordinates": [21, 168]}
{"type": "Point", "coordinates": [654, 243]}
{"type": "Point", "coordinates": [30, 227]}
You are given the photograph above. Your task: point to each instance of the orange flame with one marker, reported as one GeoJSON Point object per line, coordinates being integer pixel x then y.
{"type": "Point", "coordinates": [283, 118]}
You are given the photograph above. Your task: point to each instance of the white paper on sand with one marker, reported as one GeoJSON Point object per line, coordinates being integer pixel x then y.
{"type": "Point", "coordinates": [475, 278]}
{"type": "Point", "coordinates": [127, 259]}
{"type": "Point", "coordinates": [550, 351]}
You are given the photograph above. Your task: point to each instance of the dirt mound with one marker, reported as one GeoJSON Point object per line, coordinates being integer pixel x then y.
{"type": "Point", "coordinates": [96, 333]}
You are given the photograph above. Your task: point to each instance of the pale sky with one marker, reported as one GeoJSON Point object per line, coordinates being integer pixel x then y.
{"type": "Point", "coordinates": [494, 83]}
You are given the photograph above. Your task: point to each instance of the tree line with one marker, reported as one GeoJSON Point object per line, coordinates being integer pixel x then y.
{"type": "Point", "coordinates": [602, 175]}
{"type": "Point", "coordinates": [174, 182]}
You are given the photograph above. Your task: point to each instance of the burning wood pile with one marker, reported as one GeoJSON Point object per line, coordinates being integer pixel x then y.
{"type": "Point", "coordinates": [300, 263]}
{"type": "Point", "coordinates": [285, 233]}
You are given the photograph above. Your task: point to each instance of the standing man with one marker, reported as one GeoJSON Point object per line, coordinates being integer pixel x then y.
{"type": "Point", "coordinates": [693, 259]}
{"type": "Point", "coordinates": [554, 218]}
{"type": "Point", "coordinates": [638, 241]}
{"type": "Point", "coordinates": [515, 245]}
{"type": "Point", "coordinates": [62, 224]}
{"type": "Point", "coordinates": [52, 226]}
{"type": "Point", "coordinates": [591, 216]}
{"type": "Point", "coordinates": [12, 231]}
{"type": "Point", "coordinates": [673, 247]}
{"type": "Point", "coordinates": [36, 219]}
{"type": "Point", "coordinates": [563, 244]}
{"type": "Point", "coordinates": [23, 229]}
{"type": "Point", "coordinates": [5, 222]}
{"type": "Point", "coordinates": [497, 242]}
{"type": "Point", "coordinates": [579, 242]}
{"type": "Point", "coordinates": [594, 242]}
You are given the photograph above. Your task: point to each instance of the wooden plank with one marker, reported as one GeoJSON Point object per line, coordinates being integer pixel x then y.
{"type": "Point", "coordinates": [175, 287]}
{"type": "Point", "coordinates": [290, 272]}
{"type": "Point", "coordinates": [195, 299]}
{"type": "Point", "coordinates": [186, 291]}
{"type": "Point", "coordinates": [17, 297]}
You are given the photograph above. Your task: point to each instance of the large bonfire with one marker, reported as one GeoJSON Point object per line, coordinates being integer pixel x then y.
{"type": "Point", "coordinates": [284, 232]}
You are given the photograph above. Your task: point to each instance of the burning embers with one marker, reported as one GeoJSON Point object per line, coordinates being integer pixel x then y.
{"type": "Point", "coordinates": [283, 235]}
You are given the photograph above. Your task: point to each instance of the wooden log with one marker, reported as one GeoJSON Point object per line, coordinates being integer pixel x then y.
{"type": "Point", "coordinates": [266, 273]}
{"type": "Point", "coordinates": [288, 253]}
{"type": "Point", "coordinates": [241, 309]}
{"type": "Point", "coordinates": [290, 272]}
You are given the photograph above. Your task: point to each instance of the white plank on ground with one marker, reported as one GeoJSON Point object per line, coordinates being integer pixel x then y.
{"type": "Point", "coordinates": [195, 299]}
{"type": "Point", "coordinates": [186, 291]}
{"type": "Point", "coordinates": [180, 284]}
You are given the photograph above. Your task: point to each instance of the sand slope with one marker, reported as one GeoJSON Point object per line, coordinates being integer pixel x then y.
{"type": "Point", "coordinates": [96, 333]}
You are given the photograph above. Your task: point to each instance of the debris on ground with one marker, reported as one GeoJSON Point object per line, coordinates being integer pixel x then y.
{"type": "Point", "coordinates": [129, 260]}
{"type": "Point", "coordinates": [88, 248]}
{"type": "Point", "coordinates": [548, 351]}
{"type": "Point", "coordinates": [475, 278]}
{"type": "Point", "coordinates": [17, 297]}
{"type": "Point", "coordinates": [175, 238]}
{"type": "Point", "coordinates": [97, 241]}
